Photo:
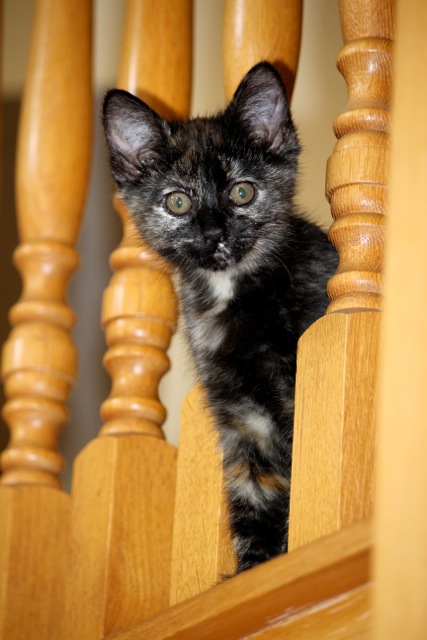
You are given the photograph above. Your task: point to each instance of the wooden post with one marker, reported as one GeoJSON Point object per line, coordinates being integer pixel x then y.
{"type": "Point", "coordinates": [202, 551]}
{"type": "Point", "coordinates": [39, 359]}
{"type": "Point", "coordinates": [261, 30]}
{"type": "Point", "coordinates": [332, 472]}
{"type": "Point", "coordinates": [251, 32]}
{"type": "Point", "coordinates": [400, 560]}
{"type": "Point", "coordinates": [124, 481]}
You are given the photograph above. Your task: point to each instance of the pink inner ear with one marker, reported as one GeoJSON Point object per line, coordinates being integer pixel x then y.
{"type": "Point", "coordinates": [261, 106]}
{"type": "Point", "coordinates": [134, 132]}
{"type": "Point", "coordinates": [267, 121]}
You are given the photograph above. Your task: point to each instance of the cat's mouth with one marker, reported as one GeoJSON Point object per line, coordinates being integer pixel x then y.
{"type": "Point", "coordinates": [222, 257]}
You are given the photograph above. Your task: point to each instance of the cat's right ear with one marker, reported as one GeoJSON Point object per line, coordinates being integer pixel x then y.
{"type": "Point", "coordinates": [135, 134]}
{"type": "Point", "coordinates": [260, 107]}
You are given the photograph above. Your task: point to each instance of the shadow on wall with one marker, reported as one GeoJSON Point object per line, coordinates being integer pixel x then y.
{"type": "Point", "coordinates": [9, 277]}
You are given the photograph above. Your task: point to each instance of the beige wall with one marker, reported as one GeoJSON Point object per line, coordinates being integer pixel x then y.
{"type": "Point", "coordinates": [319, 96]}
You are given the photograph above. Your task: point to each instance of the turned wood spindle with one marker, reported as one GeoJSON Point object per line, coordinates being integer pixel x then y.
{"type": "Point", "coordinates": [356, 183]}
{"type": "Point", "coordinates": [260, 30]}
{"type": "Point", "coordinates": [335, 399]}
{"type": "Point", "coordinates": [39, 358]}
{"type": "Point", "coordinates": [124, 484]}
{"type": "Point", "coordinates": [139, 307]}
{"type": "Point", "coordinates": [139, 316]}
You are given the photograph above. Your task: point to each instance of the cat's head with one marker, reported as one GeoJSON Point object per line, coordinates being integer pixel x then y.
{"type": "Point", "coordinates": [208, 193]}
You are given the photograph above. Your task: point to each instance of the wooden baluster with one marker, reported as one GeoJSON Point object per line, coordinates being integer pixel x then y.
{"type": "Point", "coordinates": [400, 560]}
{"type": "Point", "coordinates": [265, 30]}
{"type": "Point", "coordinates": [124, 481]}
{"type": "Point", "coordinates": [357, 170]}
{"type": "Point", "coordinates": [251, 32]}
{"type": "Point", "coordinates": [139, 317]}
{"type": "Point", "coordinates": [332, 473]}
{"type": "Point", "coordinates": [139, 328]}
{"type": "Point", "coordinates": [39, 359]}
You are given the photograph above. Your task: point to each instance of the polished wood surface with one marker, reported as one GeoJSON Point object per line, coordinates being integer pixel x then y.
{"type": "Point", "coordinates": [333, 464]}
{"type": "Point", "coordinates": [107, 550]}
{"type": "Point", "coordinates": [123, 490]}
{"type": "Point", "coordinates": [139, 314]}
{"type": "Point", "coordinates": [121, 529]}
{"type": "Point", "coordinates": [139, 307]}
{"type": "Point", "coordinates": [301, 595]}
{"type": "Point", "coordinates": [39, 358]}
{"type": "Point", "coordinates": [335, 402]}
{"type": "Point", "coordinates": [201, 515]}
{"type": "Point", "coordinates": [400, 561]}
{"type": "Point", "coordinates": [164, 82]}
{"type": "Point", "coordinates": [261, 30]}
{"type": "Point", "coordinates": [34, 528]}
{"type": "Point", "coordinates": [356, 178]}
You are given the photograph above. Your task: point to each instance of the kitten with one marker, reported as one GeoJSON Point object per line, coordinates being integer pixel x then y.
{"type": "Point", "coordinates": [214, 196]}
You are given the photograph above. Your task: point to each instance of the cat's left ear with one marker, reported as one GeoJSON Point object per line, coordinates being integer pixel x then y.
{"type": "Point", "coordinates": [261, 107]}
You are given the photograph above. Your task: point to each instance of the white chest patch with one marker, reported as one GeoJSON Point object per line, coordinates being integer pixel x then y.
{"type": "Point", "coordinates": [222, 286]}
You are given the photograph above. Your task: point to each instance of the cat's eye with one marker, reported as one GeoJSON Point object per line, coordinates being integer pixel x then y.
{"type": "Point", "coordinates": [178, 203]}
{"type": "Point", "coordinates": [242, 193]}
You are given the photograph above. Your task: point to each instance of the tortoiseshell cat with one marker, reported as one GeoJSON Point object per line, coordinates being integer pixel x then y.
{"type": "Point", "coordinates": [214, 196]}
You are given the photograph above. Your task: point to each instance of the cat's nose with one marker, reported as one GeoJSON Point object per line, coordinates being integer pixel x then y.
{"type": "Point", "coordinates": [212, 235]}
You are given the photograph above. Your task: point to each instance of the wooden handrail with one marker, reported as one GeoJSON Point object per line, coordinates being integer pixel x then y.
{"type": "Point", "coordinates": [307, 594]}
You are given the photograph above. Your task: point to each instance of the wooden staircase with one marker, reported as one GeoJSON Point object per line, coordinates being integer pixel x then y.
{"type": "Point", "coordinates": [136, 549]}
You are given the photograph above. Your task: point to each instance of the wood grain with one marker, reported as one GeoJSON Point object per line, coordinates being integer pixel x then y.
{"type": "Point", "coordinates": [345, 617]}
{"type": "Point", "coordinates": [156, 56]}
{"type": "Point", "coordinates": [123, 496]}
{"type": "Point", "coordinates": [329, 575]}
{"type": "Point", "coordinates": [139, 311]}
{"type": "Point", "coordinates": [334, 443]}
{"type": "Point", "coordinates": [124, 481]}
{"type": "Point", "coordinates": [335, 411]}
{"type": "Point", "coordinates": [33, 550]}
{"type": "Point", "coordinates": [400, 566]}
{"type": "Point", "coordinates": [356, 177]}
{"type": "Point", "coordinates": [261, 30]}
{"type": "Point", "coordinates": [39, 358]}
{"type": "Point", "coordinates": [202, 550]}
